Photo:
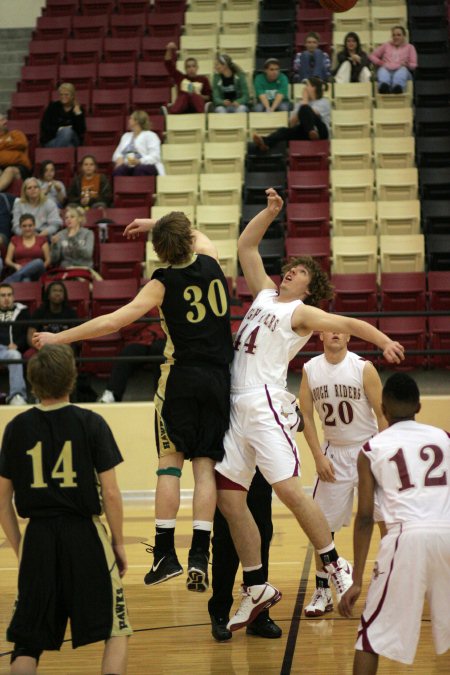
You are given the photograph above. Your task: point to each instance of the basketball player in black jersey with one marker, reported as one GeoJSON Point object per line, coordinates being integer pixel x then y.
{"type": "Point", "coordinates": [58, 461]}
{"type": "Point", "coordinates": [193, 397]}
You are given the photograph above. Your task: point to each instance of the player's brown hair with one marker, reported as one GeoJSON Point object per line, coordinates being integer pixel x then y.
{"type": "Point", "coordinates": [52, 372]}
{"type": "Point", "coordinates": [172, 238]}
{"type": "Point", "coordinates": [319, 287]}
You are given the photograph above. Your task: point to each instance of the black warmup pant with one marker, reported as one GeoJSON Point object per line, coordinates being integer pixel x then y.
{"type": "Point", "coordinates": [225, 561]}
{"type": "Point", "coordinates": [122, 370]}
{"type": "Point", "coordinates": [307, 119]}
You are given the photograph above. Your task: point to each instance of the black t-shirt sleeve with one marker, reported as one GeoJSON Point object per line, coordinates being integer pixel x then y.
{"type": "Point", "coordinates": [106, 454]}
{"type": "Point", "coordinates": [5, 468]}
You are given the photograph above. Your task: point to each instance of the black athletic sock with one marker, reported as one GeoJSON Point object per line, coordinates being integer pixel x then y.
{"type": "Point", "coordinates": [164, 539]}
{"type": "Point", "coordinates": [329, 557]}
{"type": "Point", "coordinates": [321, 582]}
{"type": "Point", "coordinates": [254, 578]}
{"type": "Point", "coordinates": [200, 540]}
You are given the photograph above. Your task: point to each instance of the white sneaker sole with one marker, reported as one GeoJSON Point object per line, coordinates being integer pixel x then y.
{"type": "Point", "coordinates": [312, 613]}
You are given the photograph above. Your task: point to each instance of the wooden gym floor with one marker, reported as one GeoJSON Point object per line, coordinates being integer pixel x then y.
{"type": "Point", "coordinates": [172, 631]}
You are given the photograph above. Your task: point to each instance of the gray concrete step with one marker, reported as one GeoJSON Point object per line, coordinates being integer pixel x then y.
{"type": "Point", "coordinates": [13, 33]}
{"type": "Point", "coordinates": [16, 56]}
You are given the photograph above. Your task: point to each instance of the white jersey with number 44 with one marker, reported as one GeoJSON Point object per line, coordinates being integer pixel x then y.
{"type": "Point", "coordinates": [411, 465]}
{"type": "Point", "coordinates": [265, 343]}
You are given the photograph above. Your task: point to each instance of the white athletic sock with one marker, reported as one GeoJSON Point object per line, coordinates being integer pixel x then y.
{"type": "Point", "coordinates": [165, 524]}
{"type": "Point", "coordinates": [252, 569]}
{"type": "Point", "coordinates": [327, 549]}
{"type": "Point", "coordinates": [204, 525]}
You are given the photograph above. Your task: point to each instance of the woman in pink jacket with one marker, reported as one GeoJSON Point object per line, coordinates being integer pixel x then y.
{"type": "Point", "coordinates": [395, 60]}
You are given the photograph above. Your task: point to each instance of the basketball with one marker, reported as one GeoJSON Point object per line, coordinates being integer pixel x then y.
{"type": "Point", "coordinates": [338, 5]}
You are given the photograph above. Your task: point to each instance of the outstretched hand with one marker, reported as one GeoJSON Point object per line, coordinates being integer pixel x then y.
{"type": "Point", "coordinates": [42, 339]}
{"type": "Point", "coordinates": [348, 601]}
{"type": "Point", "coordinates": [274, 201]}
{"type": "Point", "coordinates": [394, 352]}
{"type": "Point", "coordinates": [137, 226]}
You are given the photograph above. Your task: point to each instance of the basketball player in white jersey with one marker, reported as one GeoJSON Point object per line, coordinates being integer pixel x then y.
{"type": "Point", "coordinates": [408, 466]}
{"type": "Point", "coordinates": [263, 416]}
{"type": "Point", "coordinates": [345, 390]}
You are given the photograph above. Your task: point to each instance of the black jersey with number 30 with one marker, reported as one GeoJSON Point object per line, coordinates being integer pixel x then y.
{"type": "Point", "coordinates": [53, 457]}
{"type": "Point", "coordinates": [195, 312]}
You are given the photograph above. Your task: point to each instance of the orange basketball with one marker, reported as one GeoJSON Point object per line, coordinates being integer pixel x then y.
{"type": "Point", "coordinates": [338, 5]}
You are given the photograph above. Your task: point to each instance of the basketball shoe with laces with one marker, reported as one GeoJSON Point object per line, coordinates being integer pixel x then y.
{"type": "Point", "coordinates": [253, 601]}
{"type": "Point", "coordinates": [197, 574]}
{"type": "Point", "coordinates": [341, 576]}
{"type": "Point", "coordinates": [321, 602]}
{"type": "Point", "coordinates": [165, 566]}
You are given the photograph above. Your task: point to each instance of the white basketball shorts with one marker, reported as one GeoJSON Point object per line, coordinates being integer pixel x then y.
{"type": "Point", "coordinates": [336, 499]}
{"type": "Point", "coordinates": [262, 430]}
{"type": "Point", "coordinates": [413, 561]}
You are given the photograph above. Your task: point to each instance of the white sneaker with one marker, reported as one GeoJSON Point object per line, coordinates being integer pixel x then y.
{"type": "Point", "coordinates": [254, 600]}
{"type": "Point", "coordinates": [106, 397]}
{"type": "Point", "coordinates": [341, 576]}
{"type": "Point", "coordinates": [321, 602]}
{"type": "Point", "coordinates": [17, 399]}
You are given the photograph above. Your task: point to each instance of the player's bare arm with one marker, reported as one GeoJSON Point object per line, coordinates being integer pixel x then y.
{"type": "Point", "coordinates": [201, 243]}
{"type": "Point", "coordinates": [306, 319]}
{"type": "Point", "coordinates": [151, 295]}
{"type": "Point", "coordinates": [8, 518]}
{"type": "Point", "coordinates": [362, 533]}
{"type": "Point", "coordinates": [373, 390]}
{"type": "Point", "coordinates": [112, 504]}
{"type": "Point", "coordinates": [249, 256]}
{"type": "Point", "coordinates": [324, 466]}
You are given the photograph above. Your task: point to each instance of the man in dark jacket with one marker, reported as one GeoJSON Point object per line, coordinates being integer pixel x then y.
{"type": "Point", "coordinates": [13, 341]}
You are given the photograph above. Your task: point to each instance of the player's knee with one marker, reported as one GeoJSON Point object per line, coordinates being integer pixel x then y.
{"type": "Point", "coordinates": [169, 471]}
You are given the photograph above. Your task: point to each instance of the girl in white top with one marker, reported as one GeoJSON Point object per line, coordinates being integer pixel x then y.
{"type": "Point", "coordinates": [139, 149]}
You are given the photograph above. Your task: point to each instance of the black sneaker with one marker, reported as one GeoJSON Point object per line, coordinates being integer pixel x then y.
{"type": "Point", "coordinates": [165, 566]}
{"type": "Point", "coordinates": [264, 627]}
{"type": "Point", "coordinates": [397, 89]}
{"type": "Point", "coordinates": [219, 629]}
{"type": "Point", "coordinates": [197, 579]}
{"type": "Point", "coordinates": [384, 88]}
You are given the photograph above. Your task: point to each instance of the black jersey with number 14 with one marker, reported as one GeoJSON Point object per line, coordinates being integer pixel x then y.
{"type": "Point", "coordinates": [195, 312]}
{"type": "Point", "coordinates": [53, 456]}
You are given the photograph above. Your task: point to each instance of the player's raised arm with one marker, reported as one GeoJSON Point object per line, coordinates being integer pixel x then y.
{"type": "Point", "coordinates": [150, 296]}
{"type": "Point", "coordinates": [138, 226]}
{"type": "Point", "coordinates": [249, 256]}
{"type": "Point", "coordinates": [306, 319]}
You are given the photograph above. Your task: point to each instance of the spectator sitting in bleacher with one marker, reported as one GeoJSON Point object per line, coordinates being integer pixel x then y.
{"type": "Point", "coordinates": [139, 149]}
{"type": "Point", "coordinates": [90, 189]}
{"type": "Point", "coordinates": [310, 119]}
{"type": "Point", "coordinates": [230, 89]}
{"type": "Point", "coordinates": [63, 123]}
{"type": "Point", "coordinates": [6, 210]}
{"type": "Point", "coordinates": [312, 61]}
{"type": "Point", "coordinates": [52, 188]}
{"type": "Point", "coordinates": [14, 159]}
{"type": "Point", "coordinates": [28, 254]}
{"type": "Point", "coordinates": [396, 60]}
{"type": "Point", "coordinates": [73, 246]}
{"type": "Point", "coordinates": [353, 64]}
{"type": "Point", "coordinates": [271, 88]}
{"type": "Point", "coordinates": [193, 90]}
{"type": "Point", "coordinates": [141, 340]}
{"type": "Point", "coordinates": [54, 310]}
{"type": "Point", "coordinates": [33, 200]}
